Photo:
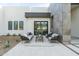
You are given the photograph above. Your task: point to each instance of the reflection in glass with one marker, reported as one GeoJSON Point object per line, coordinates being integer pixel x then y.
{"type": "Point", "coordinates": [15, 25]}
{"type": "Point", "coordinates": [40, 27]}
{"type": "Point", "coordinates": [9, 25]}
{"type": "Point", "coordinates": [20, 25]}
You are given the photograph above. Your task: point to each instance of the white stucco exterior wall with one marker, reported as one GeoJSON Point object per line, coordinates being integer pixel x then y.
{"type": "Point", "coordinates": [13, 13]}
{"type": "Point", "coordinates": [1, 20]}
{"type": "Point", "coordinates": [39, 9]}
{"type": "Point", "coordinates": [17, 13]}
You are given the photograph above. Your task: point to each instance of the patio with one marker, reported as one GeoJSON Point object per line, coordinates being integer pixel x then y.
{"type": "Point", "coordinates": [40, 49]}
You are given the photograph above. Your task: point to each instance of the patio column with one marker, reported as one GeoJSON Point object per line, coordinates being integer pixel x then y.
{"type": "Point", "coordinates": [66, 19]}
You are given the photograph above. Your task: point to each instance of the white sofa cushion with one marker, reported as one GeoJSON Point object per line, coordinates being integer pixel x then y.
{"type": "Point", "coordinates": [30, 36]}
{"type": "Point", "coordinates": [25, 35]}
{"type": "Point", "coordinates": [53, 35]}
{"type": "Point", "coordinates": [49, 38]}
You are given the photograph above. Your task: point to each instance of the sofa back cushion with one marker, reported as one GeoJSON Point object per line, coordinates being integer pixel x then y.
{"type": "Point", "coordinates": [25, 35]}
{"type": "Point", "coordinates": [49, 35]}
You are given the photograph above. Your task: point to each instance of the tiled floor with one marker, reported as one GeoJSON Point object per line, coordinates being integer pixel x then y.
{"type": "Point", "coordinates": [40, 49]}
{"type": "Point", "coordinates": [75, 41]}
{"type": "Point", "coordinates": [74, 44]}
{"type": "Point", "coordinates": [74, 48]}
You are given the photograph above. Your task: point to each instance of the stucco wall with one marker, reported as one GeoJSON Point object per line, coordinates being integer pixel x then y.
{"type": "Point", "coordinates": [17, 13]}
{"type": "Point", "coordinates": [75, 22]}
{"type": "Point", "coordinates": [39, 9]}
{"type": "Point", "coordinates": [66, 16]}
{"type": "Point", "coordinates": [1, 21]}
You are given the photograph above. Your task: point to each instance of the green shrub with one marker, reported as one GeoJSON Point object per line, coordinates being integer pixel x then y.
{"type": "Point", "coordinates": [7, 44]}
{"type": "Point", "coordinates": [19, 34]}
{"type": "Point", "coordinates": [14, 35]}
{"type": "Point", "coordinates": [8, 34]}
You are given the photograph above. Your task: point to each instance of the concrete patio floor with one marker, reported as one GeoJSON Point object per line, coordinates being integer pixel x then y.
{"type": "Point", "coordinates": [57, 49]}
{"type": "Point", "coordinates": [40, 49]}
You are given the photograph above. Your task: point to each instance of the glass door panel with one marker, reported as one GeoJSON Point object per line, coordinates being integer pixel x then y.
{"type": "Point", "coordinates": [41, 27]}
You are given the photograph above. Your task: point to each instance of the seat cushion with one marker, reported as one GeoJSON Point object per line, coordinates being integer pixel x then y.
{"type": "Point", "coordinates": [54, 35]}
{"type": "Point", "coordinates": [25, 35]}
{"type": "Point", "coordinates": [49, 35]}
{"type": "Point", "coordinates": [30, 36]}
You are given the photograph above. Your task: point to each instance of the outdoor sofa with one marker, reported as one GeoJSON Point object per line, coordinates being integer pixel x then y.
{"type": "Point", "coordinates": [53, 37]}
{"type": "Point", "coordinates": [27, 38]}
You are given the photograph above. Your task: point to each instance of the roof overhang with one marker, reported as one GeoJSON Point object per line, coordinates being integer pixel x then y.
{"type": "Point", "coordinates": [74, 5]}
{"type": "Point", "coordinates": [37, 15]}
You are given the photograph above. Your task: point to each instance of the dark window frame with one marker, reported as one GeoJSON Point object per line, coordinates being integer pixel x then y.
{"type": "Point", "coordinates": [40, 22]}
{"type": "Point", "coordinates": [15, 25]}
{"type": "Point", "coordinates": [10, 25]}
{"type": "Point", "coordinates": [21, 25]}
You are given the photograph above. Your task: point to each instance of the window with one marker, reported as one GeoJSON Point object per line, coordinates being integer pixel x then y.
{"type": "Point", "coordinates": [21, 25]}
{"type": "Point", "coordinates": [15, 25]}
{"type": "Point", "coordinates": [9, 25]}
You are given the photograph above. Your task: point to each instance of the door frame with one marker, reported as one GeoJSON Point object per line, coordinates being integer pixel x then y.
{"type": "Point", "coordinates": [40, 21]}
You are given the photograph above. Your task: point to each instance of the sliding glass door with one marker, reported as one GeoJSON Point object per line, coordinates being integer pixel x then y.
{"type": "Point", "coordinates": [40, 27]}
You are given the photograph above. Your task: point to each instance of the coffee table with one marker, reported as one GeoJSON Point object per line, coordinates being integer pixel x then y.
{"type": "Point", "coordinates": [39, 38]}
